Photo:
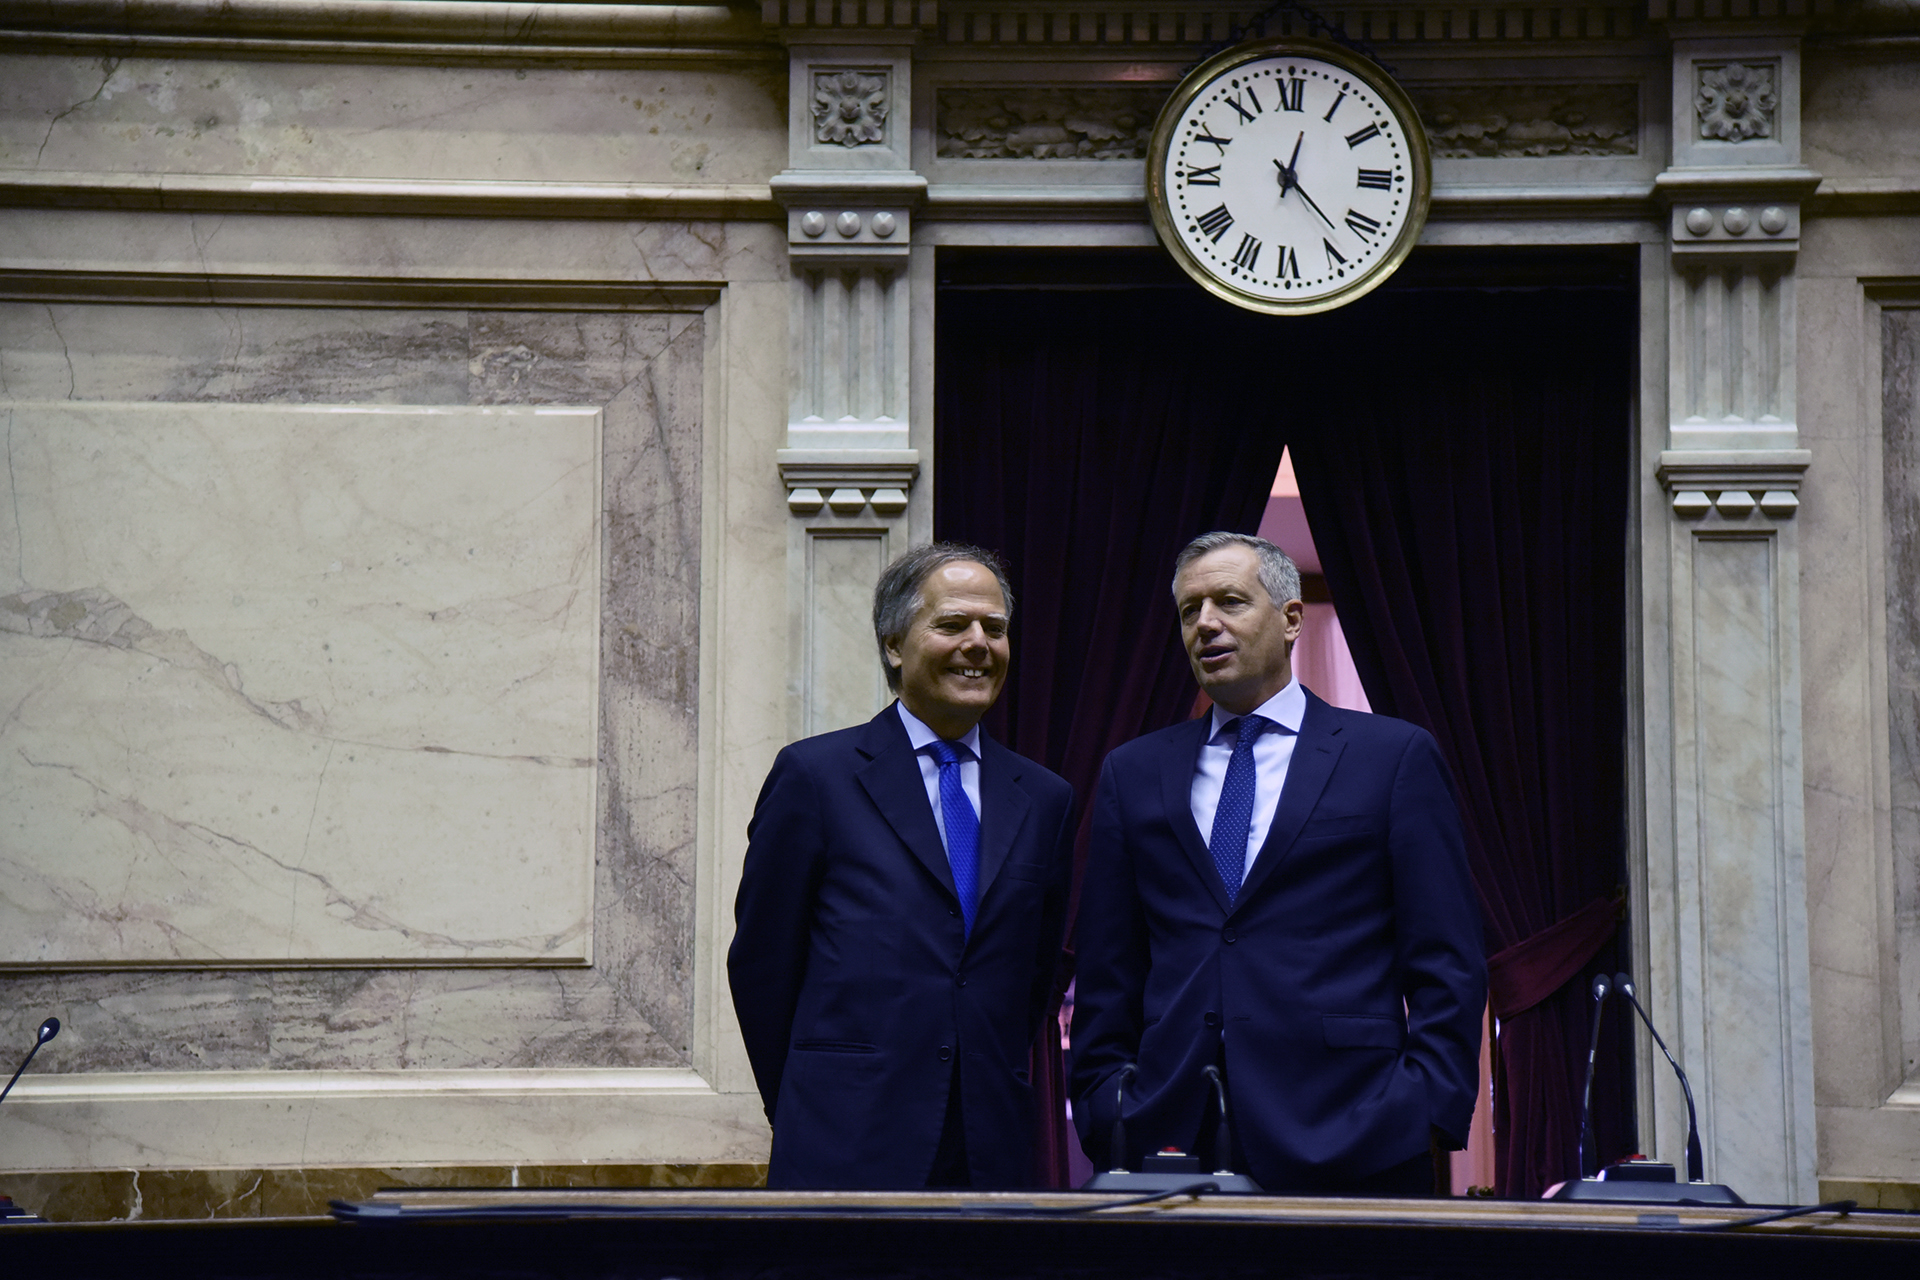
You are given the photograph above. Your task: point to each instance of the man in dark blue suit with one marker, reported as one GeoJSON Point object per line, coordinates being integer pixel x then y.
{"type": "Point", "coordinates": [901, 911]}
{"type": "Point", "coordinates": [1280, 889]}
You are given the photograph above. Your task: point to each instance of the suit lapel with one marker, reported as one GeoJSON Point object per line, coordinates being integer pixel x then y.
{"type": "Point", "coordinates": [1004, 805]}
{"type": "Point", "coordinates": [1315, 752]}
{"type": "Point", "coordinates": [892, 778]}
{"type": "Point", "coordinates": [1177, 796]}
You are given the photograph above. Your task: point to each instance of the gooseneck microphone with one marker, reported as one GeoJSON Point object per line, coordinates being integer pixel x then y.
{"type": "Point", "coordinates": [1119, 1139]}
{"type": "Point", "coordinates": [48, 1030]}
{"type": "Point", "coordinates": [1602, 988]}
{"type": "Point", "coordinates": [1695, 1173]}
{"type": "Point", "coordinates": [1223, 1140]}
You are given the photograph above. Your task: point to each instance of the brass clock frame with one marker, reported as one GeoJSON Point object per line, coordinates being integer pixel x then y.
{"type": "Point", "coordinates": [1419, 186]}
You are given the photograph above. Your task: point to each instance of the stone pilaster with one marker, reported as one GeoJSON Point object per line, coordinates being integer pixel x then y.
{"type": "Point", "coordinates": [850, 193]}
{"type": "Point", "coordinates": [1727, 915]}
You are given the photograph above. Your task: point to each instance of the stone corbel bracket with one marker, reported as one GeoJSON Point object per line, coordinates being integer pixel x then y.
{"type": "Point", "coordinates": [1735, 215]}
{"type": "Point", "coordinates": [1734, 483]}
{"type": "Point", "coordinates": [848, 481]}
{"type": "Point", "coordinates": [853, 218]}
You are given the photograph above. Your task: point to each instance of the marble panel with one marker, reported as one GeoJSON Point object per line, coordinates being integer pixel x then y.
{"type": "Point", "coordinates": [149, 1195]}
{"type": "Point", "coordinates": [1856, 113]}
{"type": "Point", "coordinates": [1754, 1036]}
{"type": "Point", "coordinates": [309, 118]}
{"type": "Point", "coordinates": [845, 685]}
{"type": "Point", "coordinates": [1900, 426]}
{"type": "Point", "coordinates": [292, 683]}
{"type": "Point", "coordinates": [634, 1007]}
{"type": "Point", "coordinates": [332, 249]}
{"type": "Point", "coordinates": [1855, 999]}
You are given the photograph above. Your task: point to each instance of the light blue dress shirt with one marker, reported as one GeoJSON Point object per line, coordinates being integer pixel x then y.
{"type": "Point", "coordinates": [1272, 754]}
{"type": "Point", "coordinates": [921, 737]}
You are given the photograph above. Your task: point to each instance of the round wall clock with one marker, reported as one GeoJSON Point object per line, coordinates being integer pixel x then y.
{"type": "Point", "coordinates": [1289, 175]}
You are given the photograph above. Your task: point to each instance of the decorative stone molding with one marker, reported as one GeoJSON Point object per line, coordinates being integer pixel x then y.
{"type": "Point", "coordinates": [1734, 482]}
{"type": "Point", "coordinates": [1119, 22]}
{"type": "Point", "coordinates": [850, 107]}
{"type": "Point", "coordinates": [840, 16]}
{"type": "Point", "coordinates": [440, 29]}
{"type": "Point", "coordinates": [847, 481]}
{"type": "Point", "coordinates": [1049, 123]}
{"type": "Point", "coordinates": [1510, 120]}
{"type": "Point", "coordinates": [1735, 101]}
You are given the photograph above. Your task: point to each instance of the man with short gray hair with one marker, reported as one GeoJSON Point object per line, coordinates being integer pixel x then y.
{"type": "Point", "coordinates": [901, 910]}
{"type": "Point", "coordinates": [1277, 891]}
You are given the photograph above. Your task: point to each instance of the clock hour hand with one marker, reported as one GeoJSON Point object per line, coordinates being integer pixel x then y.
{"type": "Point", "coordinates": [1288, 174]}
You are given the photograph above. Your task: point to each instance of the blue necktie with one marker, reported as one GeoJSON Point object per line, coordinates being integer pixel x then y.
{"type": "Point", "coordinates": [1233, 819]}
{"type": "Point", "coordinates": [963, 826]}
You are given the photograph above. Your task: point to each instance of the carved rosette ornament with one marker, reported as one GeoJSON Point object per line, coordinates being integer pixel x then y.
{"type": "Point", "coordinates": [850, 107]}
{"type": "Point", "coordinates": [1736, 101]}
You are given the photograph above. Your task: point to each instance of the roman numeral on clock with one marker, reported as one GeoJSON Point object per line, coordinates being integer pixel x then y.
{"type": "Point", "coordinates": [1367, 134]}
{"type": "Point", "coordinates": [1246, 116]}
{"type": "Point", "coordinates": [1292, 94]}
{"type": "Point", "coordinates": [1378, 179]}
{"type": "Point", "coordinates": [1215, 221]}
{"type": "Point", "coordinates": [1247, 254]}
{"type": "Point", "coordinates": [1335, 107]}
{"type": "Point", "coordinates": [1362, 225]}
{"type": "Point", "coordinates": [1289, 264]}
{"type": "Point", "coordinates": [1205, 136]}
{"type": "Point", "coordinates": [1333, 255]}
{"type": "Point", "coordinates": [1201, 175]}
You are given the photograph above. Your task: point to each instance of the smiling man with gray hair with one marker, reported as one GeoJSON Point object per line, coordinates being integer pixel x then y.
{"type": "Point", "coordinates": [901, 910]}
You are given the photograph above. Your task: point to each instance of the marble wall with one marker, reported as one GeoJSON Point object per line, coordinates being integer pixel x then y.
{"type": "Point", "coordinates": [1900, 444]}
{"type": "Point", "coordinates": [462, 596]}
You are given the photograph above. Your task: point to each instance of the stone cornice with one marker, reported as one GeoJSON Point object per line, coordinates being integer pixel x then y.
{"type": "Point", "coordinates": [235, 193]}
{"type": "Point", "coordinates": [403, 29]}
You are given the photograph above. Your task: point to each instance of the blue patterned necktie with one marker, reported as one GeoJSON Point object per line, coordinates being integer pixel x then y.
{"type": "Point", "coordinates": [1233, 819]}
{"type": "Point", "coordinates": [963, 826]}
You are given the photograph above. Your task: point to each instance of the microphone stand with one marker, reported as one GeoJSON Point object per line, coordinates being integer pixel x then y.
{"type": "Point", "coordinates": [9, 1212]}
{"type": "Point", "coordinates": [1648, 1181]}
{"type": "Point", "coordinates": [1601, 990]}
{"type": "Point", "coordinates": [1176, 1171]}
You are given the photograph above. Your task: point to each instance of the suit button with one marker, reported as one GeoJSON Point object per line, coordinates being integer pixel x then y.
{"type": "Point", "coordinates": [1227, 934]}
{"type": "Point", "coordinates": [953, 911]}
{"type": "Point", "coordinates": [1212, 1018]}
{"type": "Point", "coordinates": [946, 1053]}
{"type": "Point", "coordinates": [960, 980]}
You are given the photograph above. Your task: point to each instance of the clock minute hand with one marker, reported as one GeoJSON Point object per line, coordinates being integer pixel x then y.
{"type": "Point", "coordinates": [1316, 208]}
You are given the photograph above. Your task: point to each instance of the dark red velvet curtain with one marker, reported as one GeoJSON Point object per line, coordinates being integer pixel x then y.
{"type": "Point", "coordinates": [1471, 514]}
{"type": "Point", "coordinates": [1087, 436]}
{"type": "Point", "coordinates": [1463, 453]}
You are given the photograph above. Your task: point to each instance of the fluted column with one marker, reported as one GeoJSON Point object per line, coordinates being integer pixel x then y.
{"type": "Point", "coordinates": [850, 193]}
{"type": "Point", "coordinates": [1726, 901]}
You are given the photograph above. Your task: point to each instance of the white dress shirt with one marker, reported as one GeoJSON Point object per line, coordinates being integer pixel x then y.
{"type": "Point", "coordinates": [1272, 753]}
{"type": "Point", "coordinates": [922, 737]}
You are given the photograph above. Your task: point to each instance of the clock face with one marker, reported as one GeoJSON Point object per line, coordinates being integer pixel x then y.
{"type": "Point", "coordinates": [1287, 176]}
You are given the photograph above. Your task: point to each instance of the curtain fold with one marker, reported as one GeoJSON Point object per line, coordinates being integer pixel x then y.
{"type": "Point", "coordinates": [1087, 436]}
{"type": "Point", "coordinates": [1471, 515]}
{"type": "Point", "coordinates": [1464, 458]}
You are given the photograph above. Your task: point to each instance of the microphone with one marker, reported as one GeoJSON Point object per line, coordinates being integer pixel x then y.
{"type": "Point", "coordinates": [1119, 1139]}
{"type": "Point", "coordinates": [1223, 1136]}
{"type": "Point", "coordinates": [48, 1030]}
{"type": "Point", "coordinates": [1695, 1171]}
{"type": "Point", "coordinates": [1601, 990]}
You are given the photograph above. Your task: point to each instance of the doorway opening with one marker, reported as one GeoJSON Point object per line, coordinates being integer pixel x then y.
{"type": "Point", "coordinates": [1461, 443]}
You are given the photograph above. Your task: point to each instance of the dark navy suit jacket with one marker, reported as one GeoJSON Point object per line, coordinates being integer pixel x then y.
{"type": "Point", "coordinates": [1347, 979]}
{"type": "Point", "coordinates": [855, 982]}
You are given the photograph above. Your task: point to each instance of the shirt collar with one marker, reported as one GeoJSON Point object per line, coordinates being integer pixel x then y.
{"type": "Point", "coordinates": [1287, 708]}
{"type": "Point", "coordinates": [922, 737]}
